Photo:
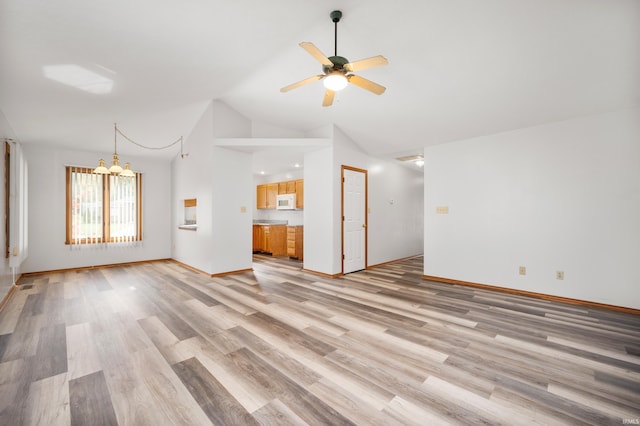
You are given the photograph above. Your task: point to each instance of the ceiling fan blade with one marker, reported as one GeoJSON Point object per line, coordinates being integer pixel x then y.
{"type": "Point", "coordinates": [363, 64]}
{"type": "Point", "coordinates": [328, 97]}
{"type": "Point", "coordinates": [366, 84]}
{"type": "Point", "coordinates": [316, 53]}
{"type": "Point", "coordinates": [302, 83]}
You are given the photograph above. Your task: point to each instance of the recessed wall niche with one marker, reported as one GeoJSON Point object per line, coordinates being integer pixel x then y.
{"type": "Point", "coordinates": [190, 220]}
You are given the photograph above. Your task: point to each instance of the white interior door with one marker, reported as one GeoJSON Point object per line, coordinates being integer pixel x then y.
{"type": "Point", "coordinates": [354, 227]}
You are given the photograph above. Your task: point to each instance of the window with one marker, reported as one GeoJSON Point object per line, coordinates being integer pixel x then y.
{"type": "Point", "coordinates": [103, 208]}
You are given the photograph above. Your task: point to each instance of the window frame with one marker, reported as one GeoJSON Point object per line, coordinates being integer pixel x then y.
{"type": "Point", "coordinates": [106, 213]}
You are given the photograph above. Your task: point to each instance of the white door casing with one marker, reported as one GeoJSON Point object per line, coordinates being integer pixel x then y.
{"type": "Point", "coordinates": [354, 224]}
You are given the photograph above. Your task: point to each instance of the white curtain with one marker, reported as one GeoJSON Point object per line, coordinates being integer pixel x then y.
{"type": "Point", "coordinates": [123, 209]}
{"type": "Point", "coordinates": [18, 207]}
{"type": "Point", "coordinates": [86, 207]}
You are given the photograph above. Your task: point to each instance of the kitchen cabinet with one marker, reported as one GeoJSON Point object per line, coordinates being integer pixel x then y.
{"type": "Point", "coordinates": [258, 238]}
{"type": "Point", "coordinates": [272, 193]}
{"type": "Point", "coordinates": [266, 194]}
{"type": "Point", "coordinates": [270, 239]}
{"type": "Point", "coordinates": [299, 193]}
{"type": "Point", "coordinates": [295, 242]}
{"type": "Point", "coordinates": [261, 196]}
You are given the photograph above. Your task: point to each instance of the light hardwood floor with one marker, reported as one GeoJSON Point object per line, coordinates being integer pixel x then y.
{"type": "Point", "coordinates": [158, 344]}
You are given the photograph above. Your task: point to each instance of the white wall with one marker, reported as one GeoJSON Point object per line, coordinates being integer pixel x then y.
{"type": "Point", "coordinates": [395, 230]}
{"type": "Point", "coordinates": [319, 222]}
{"type": "Point", "coordinates": [222, 182]}
{"type": "Point", "coordinates": [395, 199]}
{"type": "Point", "coordinates": [232, 191]}
{"type": "Point", "coordinates": [47, 224]}
{"type": "Point", "coordinates": [266, 130]}
{"type": "Point", "coordinates": [559, 197]}
{"type": "Point", "coordinates": [191, 177]}
{"type": "Point", "coordinates": [396, 216]}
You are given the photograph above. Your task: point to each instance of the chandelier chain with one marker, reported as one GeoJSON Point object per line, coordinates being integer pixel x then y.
{"type": "Point", "coordinates": [147, 147]}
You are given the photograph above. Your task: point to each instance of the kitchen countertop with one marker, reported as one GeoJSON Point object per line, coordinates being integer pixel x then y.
{"type": "Point", "coordinates": [270, 222]}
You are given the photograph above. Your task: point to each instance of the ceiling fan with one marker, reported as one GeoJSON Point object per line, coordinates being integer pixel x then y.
{"type": "Point", "coordinates": [337, 70]}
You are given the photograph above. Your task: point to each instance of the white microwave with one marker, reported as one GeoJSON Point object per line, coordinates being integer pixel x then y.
{"type": "Point", "coordinates": [286, 202]}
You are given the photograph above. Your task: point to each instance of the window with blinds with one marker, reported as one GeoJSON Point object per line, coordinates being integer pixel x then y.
{"type": "Point", "coordinates": [103, 208]}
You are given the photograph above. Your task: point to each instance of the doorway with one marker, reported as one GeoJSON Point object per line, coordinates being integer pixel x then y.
{"type": "Point", "coordinates": [354, 219]}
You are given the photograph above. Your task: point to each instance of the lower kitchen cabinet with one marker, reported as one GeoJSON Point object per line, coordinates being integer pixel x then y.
{"type": "Point", "coordinates": [295, 242]}
{"type": "Point", "coordinates": [270, 239]}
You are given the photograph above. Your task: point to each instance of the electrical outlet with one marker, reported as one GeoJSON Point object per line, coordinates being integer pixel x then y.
{"type": "Point", "coordinates": [522, 270]}
{"type": "Point", "coordinates": [559, 275]}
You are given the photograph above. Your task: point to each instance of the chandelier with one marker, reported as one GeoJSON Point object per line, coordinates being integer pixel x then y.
{"type": "Point", "coordinates": [115, 168]}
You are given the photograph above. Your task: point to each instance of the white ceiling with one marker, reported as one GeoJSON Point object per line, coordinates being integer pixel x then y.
{"type": "Point", "coordinates": [457, 68]}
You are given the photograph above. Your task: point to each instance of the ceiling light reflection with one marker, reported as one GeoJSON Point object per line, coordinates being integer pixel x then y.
{"type": "Point", "coordinates": [79, 77]}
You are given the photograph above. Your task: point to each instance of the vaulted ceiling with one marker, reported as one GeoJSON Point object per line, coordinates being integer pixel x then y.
{"type": "Point", "coordinates": [457, 68]}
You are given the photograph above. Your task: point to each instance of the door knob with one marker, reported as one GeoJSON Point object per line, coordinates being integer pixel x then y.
{"type": "Point", "coordinates": [364, 225]}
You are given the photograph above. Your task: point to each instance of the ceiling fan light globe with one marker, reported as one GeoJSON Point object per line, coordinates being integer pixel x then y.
{"type": "Point", "coordinates": [335, 81]}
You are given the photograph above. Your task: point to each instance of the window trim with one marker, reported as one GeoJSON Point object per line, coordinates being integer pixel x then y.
{"type": "Point", "coordinates": [106, 216]}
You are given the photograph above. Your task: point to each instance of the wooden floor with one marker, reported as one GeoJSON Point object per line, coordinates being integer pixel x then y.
{"type": "Point", "coordinates": [157, 344]}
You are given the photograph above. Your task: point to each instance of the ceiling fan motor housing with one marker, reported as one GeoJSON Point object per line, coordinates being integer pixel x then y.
{"type": "Point", "coordinates": [338, 64]}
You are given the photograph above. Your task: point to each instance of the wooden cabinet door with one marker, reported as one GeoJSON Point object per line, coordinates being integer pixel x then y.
{"type": "Point", "coordinates": [261, 196]}
{"type": "Point", "coordinates": [272, 193]}
{"type": "Point", "coordinates": [264, 239]}
{"type": "Point", "coordinates": [257, 234]}
{"type": "Point", "coordinates": [299, 193]}
{"type": "Point", "coordinates": [294, 242]}
{"type": "Point", "coordinates": [277, 241]}
{"type": "Point", "coordinates": [291, 241]}
{"type": "Point", "coordinates": [282, 188]}
{"type": "Point", "coordinates": [291, 187]}
{"type": "Point", "coordinates": [299, 242]}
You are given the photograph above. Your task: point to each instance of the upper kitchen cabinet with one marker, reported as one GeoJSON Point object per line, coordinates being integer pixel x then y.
{"type": "Point", "coordinates": [266, 193]}
{"type": "Point", "coordinates": [299, 184]}
{"type": "Point", "coordinates": [261, 196]}
{"type": "Point", "coordinates": [266, 196]}
{"type": "Point", "coordinates": [272, 193]}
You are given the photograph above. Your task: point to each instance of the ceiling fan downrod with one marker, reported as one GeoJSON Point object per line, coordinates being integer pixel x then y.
{"type": "Point", "coordinates": [335, 17]}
